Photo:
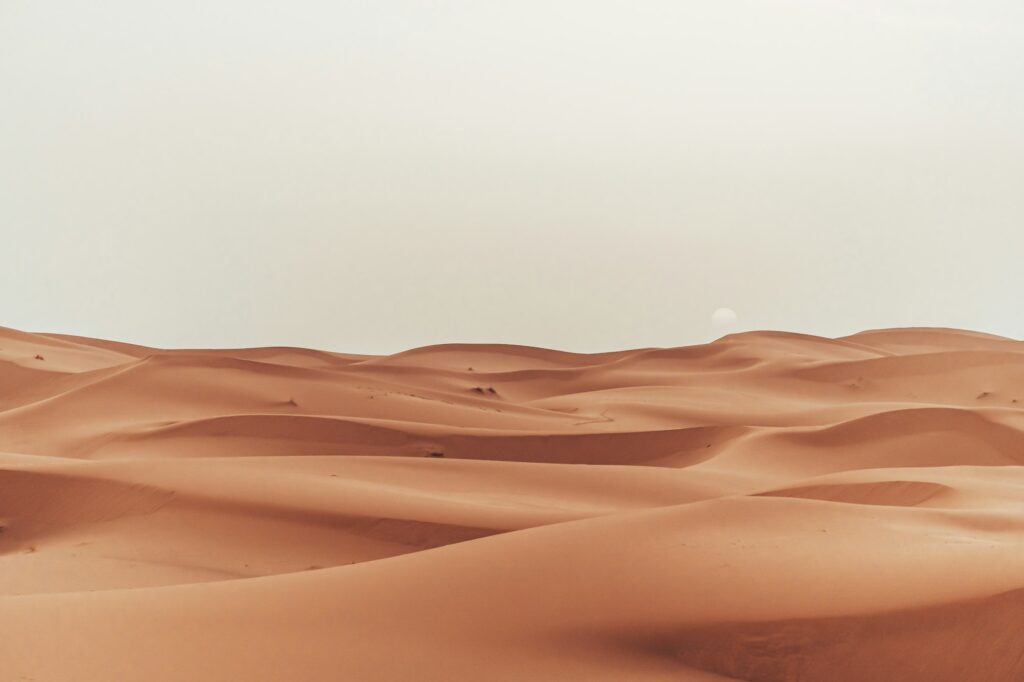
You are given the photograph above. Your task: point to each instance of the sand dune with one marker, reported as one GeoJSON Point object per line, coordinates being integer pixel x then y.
{"type": "Point", "coordinates": [767, 507]}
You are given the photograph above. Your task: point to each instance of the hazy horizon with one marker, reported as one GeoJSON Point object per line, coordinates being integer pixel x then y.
{"type": "Point", "coordinates": [375, 176]}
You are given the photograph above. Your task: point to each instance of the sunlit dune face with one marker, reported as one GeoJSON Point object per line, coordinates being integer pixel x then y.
{"type": "Point", "coordinates": [770, 506]}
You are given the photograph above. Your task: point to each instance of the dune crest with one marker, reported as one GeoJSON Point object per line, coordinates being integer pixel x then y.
{"type": "Point", "coordinates": [767, 507]}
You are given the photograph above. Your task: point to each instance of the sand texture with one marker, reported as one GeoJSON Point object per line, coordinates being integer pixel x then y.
{"type": "Point", "coordinates": [767, 507]}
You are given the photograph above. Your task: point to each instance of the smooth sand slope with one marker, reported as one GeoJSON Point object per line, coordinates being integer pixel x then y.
{"type": "Point", "coordinates": [766, 507]}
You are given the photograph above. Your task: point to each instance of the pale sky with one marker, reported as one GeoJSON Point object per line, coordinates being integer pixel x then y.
{"type": "Point", "coordinates": [578, 174]}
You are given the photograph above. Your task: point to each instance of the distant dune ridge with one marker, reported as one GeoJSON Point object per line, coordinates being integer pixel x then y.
{"type": "Point", "coordinates": [767, 507]}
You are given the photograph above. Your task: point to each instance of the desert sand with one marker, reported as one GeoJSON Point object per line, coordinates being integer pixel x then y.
{"type": "Point", "coordinates": [770, 506]}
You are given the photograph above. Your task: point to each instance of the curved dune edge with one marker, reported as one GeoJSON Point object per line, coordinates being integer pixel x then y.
{"type": "Point", "coordinates": [888, 493]}
{"type": "Point", "coordinates": [968, 641]}
{"type": "Point", "coordinates": [769, 506]}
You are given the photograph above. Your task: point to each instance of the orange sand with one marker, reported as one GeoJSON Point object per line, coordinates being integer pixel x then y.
{"type": "Point", "coordinates": [766, 507]}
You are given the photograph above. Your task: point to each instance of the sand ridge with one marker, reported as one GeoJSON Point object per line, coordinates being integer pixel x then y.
{"type": "Point", "coordinates": [770, 506]}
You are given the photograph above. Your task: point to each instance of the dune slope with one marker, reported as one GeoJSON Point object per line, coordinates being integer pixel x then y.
{"type": "Point", "coordinates": [767, 507]}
